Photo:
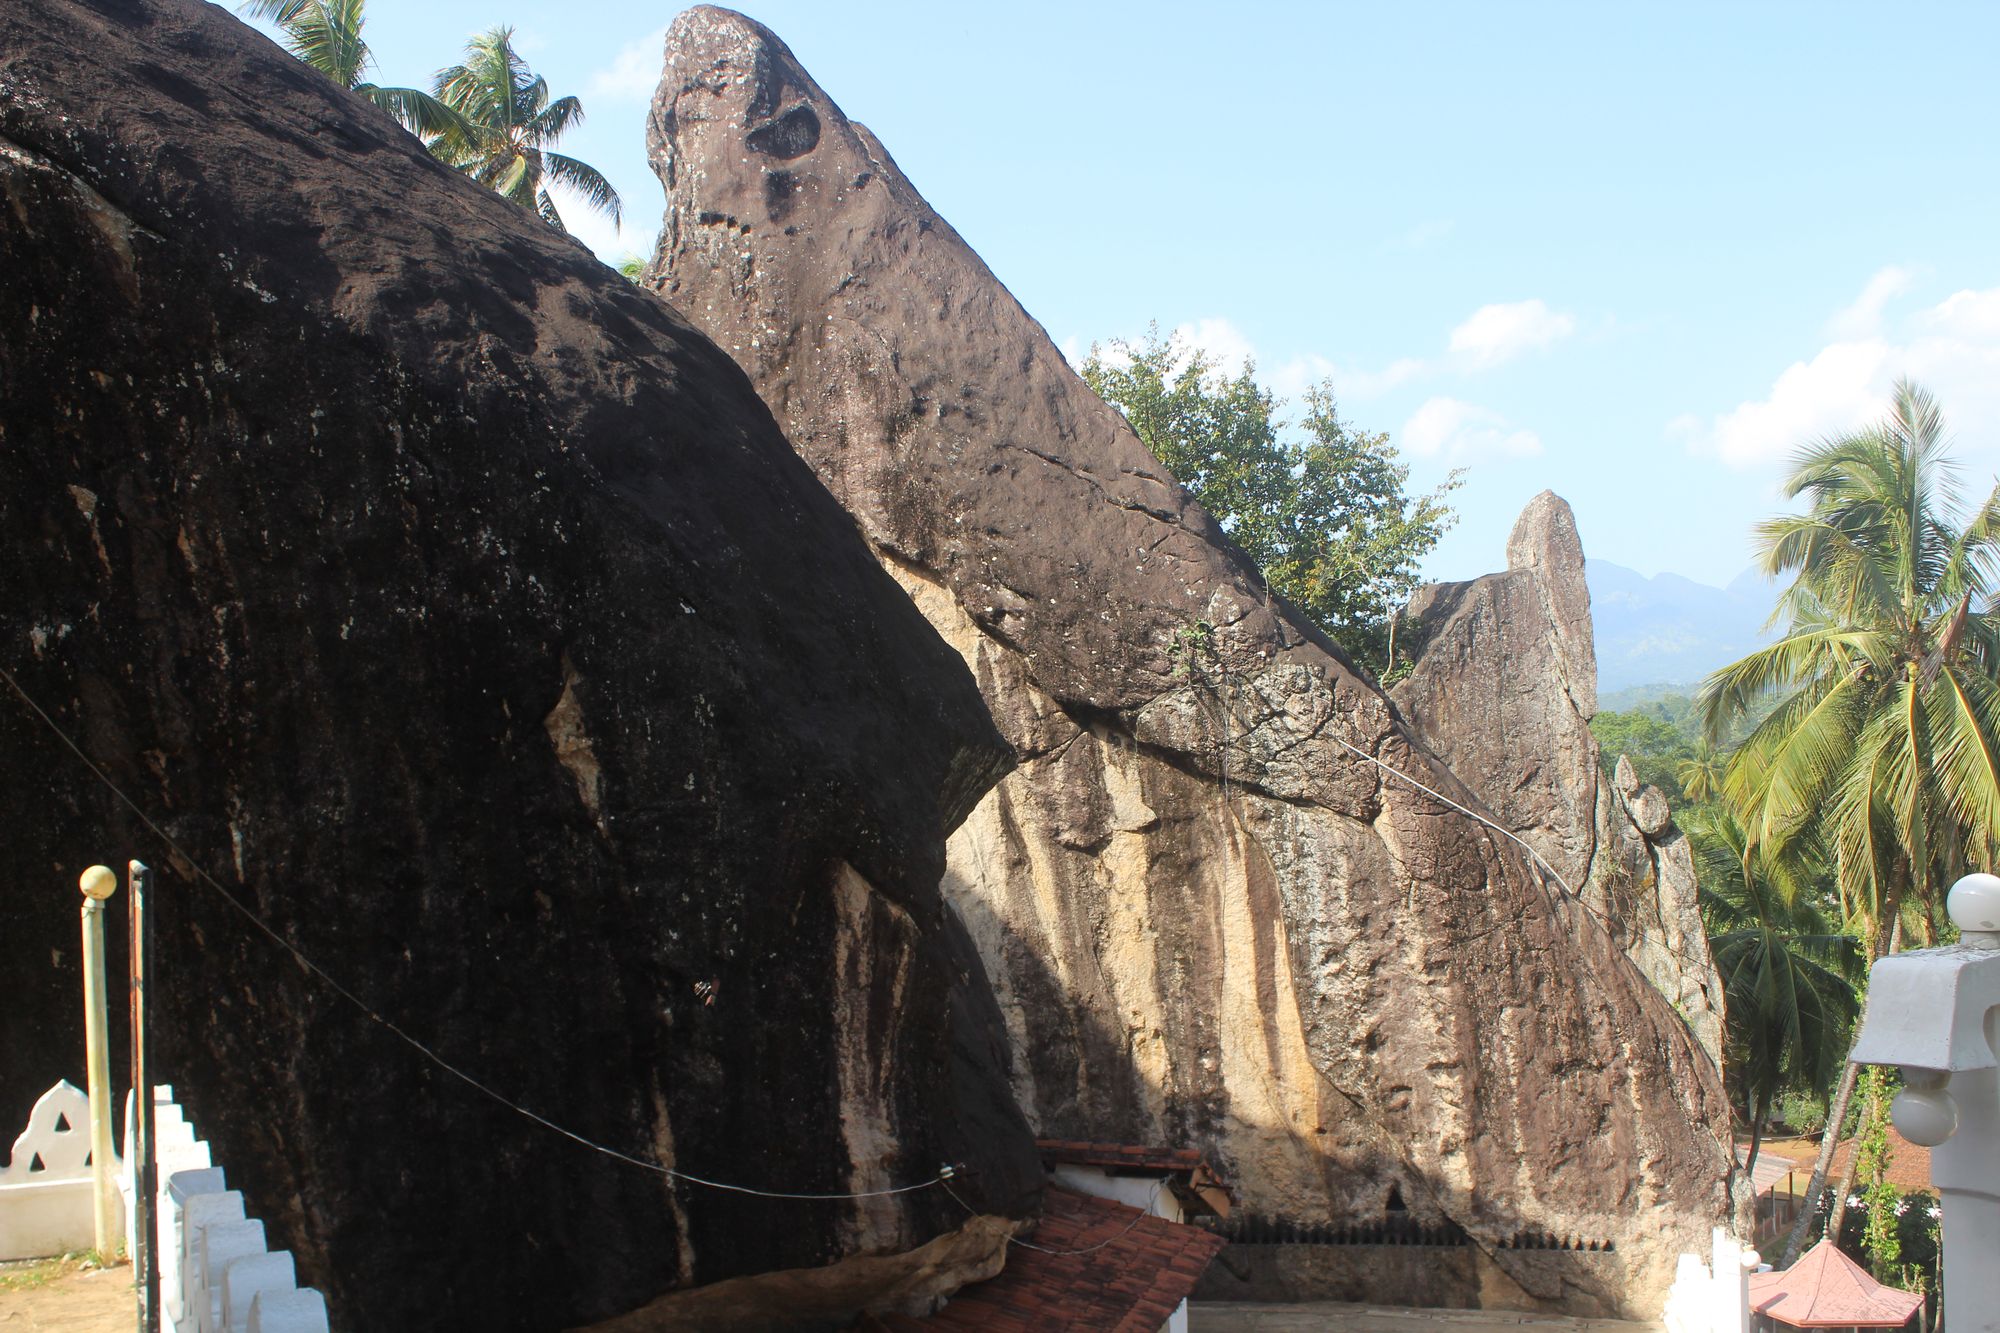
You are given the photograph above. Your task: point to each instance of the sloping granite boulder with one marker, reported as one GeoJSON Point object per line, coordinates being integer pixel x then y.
{"type": "Point", "coordinates": [1212, 916]}
{"type": "Point", "coordinates": [1502, 685]}
{"type": "Point", "coordinates": [461, 610]}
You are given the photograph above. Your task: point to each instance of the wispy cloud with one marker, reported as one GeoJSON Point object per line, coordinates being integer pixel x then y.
{"type": "Point", "coordinates": [1495, 334]}
{"type": "Point", "coordinates": [1458, 432]}
{"type": "Point", "coordinates": [1489, 337]}
{"type": "Point", "coordinates": [634, 72]}
{"type": "Point", "coordinates": [1864, 318]}
{"type": "Point", "coordinates": [1952, 348]}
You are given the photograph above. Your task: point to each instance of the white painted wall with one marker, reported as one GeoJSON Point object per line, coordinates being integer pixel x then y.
{"type": "Point", "coordinates": [46, 1209]}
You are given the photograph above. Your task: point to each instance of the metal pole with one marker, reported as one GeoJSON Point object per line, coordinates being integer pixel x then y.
{"type": "Point", "coordinates": [145, 1183]}
{"type": "Point", "coordinates": [98, 884]}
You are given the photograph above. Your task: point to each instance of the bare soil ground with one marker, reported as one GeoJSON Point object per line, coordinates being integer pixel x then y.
{"type": "Point", "coordinates": [65, 1294]}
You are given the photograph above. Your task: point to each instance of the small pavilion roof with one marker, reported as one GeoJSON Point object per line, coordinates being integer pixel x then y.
{"type": "Point", "coordinates": [1826, 1289]}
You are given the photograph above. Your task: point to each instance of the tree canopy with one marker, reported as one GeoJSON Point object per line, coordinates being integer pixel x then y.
{"type": "Point", "coordinates": [1885, 741]}
{"type": "Point", "coordinates": [326, 34]}
{"type": "Point", "coordinates": [1321, 507]}
{"type": "Point", "coordinates": [503, 126]}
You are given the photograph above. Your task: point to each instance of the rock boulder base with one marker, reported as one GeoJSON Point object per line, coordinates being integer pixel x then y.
{"type": "Point", "coordinates": [459, 609]}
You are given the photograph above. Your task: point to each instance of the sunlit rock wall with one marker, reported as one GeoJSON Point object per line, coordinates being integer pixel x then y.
{"type": "Point", "coordinates": [1210, 917]}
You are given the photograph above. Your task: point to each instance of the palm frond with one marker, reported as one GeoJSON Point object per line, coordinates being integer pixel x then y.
{"type": "Point", "coordinates": [585, 181]}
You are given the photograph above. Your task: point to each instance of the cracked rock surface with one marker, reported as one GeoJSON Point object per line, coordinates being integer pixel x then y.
{"type": "Point", "coordinates": [1210, 917]}
{"type": "Point", "coordinates": [460, 609]}
{"type": "Point", "coordinates": [1502, 686]}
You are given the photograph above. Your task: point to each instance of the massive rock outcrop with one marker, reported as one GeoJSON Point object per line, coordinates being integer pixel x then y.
{"type": "Point", "coordinates": [1211, 913]}
{"type": "Point", "coordinates": [462, 611]}
{"type": "Point", "coordinates": [1502, 685]}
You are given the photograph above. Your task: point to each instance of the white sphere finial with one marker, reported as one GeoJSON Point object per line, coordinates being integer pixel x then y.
{"type": "Point", "coordinates": [1974, 903]}
{"type": "Point", "coordinates": [1924, 1116]}
{"type": "Point", "coordinates": [98, 883]}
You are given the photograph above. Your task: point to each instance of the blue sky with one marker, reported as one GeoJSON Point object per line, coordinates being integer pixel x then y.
{"type": "Point", "coordinates": [1633, 253]}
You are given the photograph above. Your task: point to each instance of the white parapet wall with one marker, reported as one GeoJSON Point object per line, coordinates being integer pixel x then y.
{"type": "Point", "coordinates": [1713, 1297]}
{"type": "Point", "coordinates": [217, 1274]}
{"type": "Point", "coordinates": [45, 1188]}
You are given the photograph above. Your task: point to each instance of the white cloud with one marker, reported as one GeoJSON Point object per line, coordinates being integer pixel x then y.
{"type": "Point", "coordinates": [1457, 432]}
{"type": "Point", "coordinates": [1824, 396]}
{"type": "Point", "coordinates": [1952, 349]}
{"type": "Point", "coordinates": [1863, 319]}
{"type": "Point", "coordinates": [1966, 314]}
{"type": "Point", "coordinates": [1494, 334]}
{"type": "Point", "coordinates": [634, 72]}
{"type": "Point", "coordinates": [1227, 349]}
{"type": "Point", "coordinates": [1374, 383]}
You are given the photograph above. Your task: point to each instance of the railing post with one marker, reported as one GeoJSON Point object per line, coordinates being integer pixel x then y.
{"type": "Point", "coordinates": [145, 1183]}
{"type": "Point", "coordinates": [98, 884]}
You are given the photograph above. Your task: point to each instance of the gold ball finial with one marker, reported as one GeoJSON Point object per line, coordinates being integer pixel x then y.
{"type": "Point", "coordinates": [97, 882]}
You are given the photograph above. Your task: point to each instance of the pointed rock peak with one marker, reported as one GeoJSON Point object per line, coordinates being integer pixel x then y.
{"type": "Point", "coordinates": [1544, 539]}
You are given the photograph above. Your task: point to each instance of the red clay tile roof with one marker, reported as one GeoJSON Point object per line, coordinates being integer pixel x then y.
{"type": "Point", "coordinates": [1136, 1272]}
{"type": "Point", "coordinates": [1909, 1165]}
{"type": "Point", "coordinates": [1826, 1289]}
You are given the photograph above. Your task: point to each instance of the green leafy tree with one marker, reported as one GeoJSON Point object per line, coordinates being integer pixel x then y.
{"type": "Point", "coordinates": [1872, 1149]}
{"type": "Point", "coordinates": [1323, 510]}
{"type": "Point", "coordinates": [1655, 746]}
{"type": "Point", "coordinates": [1788, 976]}
{"type": "Point", "coordinates": [1701, 774]}
{"type": "Point", "coordinates": [326, 34]}
{"type": "Point", "coordinates": [504, 124]}
{"type": "Point", "coordinates": [1884, 743]}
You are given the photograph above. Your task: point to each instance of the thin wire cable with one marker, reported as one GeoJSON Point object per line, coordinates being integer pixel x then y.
{"type": "Point", "coordinates": [1131, 1226]}
{"type": "Point", "coordinates": [1439, 796]}
{"type": "Point", "coordinates": [203, 877]}
{"type": "Point", "coordinates": [1539, 860]}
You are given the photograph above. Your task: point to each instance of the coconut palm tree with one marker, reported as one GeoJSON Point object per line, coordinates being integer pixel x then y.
{"type": "Point", "coordinates": [1885, 741]}
{"type": "Point", "coordinates": [326, 34]}
{"type": "Point", "coordinates": [505, 124]}
{"type": "Point", "coordinates": [1788, 976]}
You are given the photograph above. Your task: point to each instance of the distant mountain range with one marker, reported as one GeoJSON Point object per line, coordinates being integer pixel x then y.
{"type": "Point", "coordinates": [1668, 630]}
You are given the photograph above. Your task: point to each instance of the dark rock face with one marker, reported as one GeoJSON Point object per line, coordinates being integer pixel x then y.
{"type": "Point", "coordinates": [460, 608]}
{"type": "Point", "coordinates": [1503, 684]}
{"type": "Point", "coordinates": [1209, 916]}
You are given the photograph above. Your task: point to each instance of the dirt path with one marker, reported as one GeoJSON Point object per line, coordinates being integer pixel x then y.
{"type": "Point", "coordinates": [97, 1300]}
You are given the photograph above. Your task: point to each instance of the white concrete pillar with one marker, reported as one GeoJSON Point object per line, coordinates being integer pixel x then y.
{"type": "Point", "coordinates": [97, 884]}
{"type": "Point", "coordinates": [1935, 1013]}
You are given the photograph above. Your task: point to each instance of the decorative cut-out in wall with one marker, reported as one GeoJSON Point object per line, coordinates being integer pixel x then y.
{"type": "Point", "coordinates": [54, 1146]}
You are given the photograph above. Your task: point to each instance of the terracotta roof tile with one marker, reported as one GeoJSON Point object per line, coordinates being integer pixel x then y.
{"type": "Point", "coordinates": [1909, 1165]}
{"type": "Point", "coordinates": [1826, 1289]}
{"type": "Point", "coordinates": [1137, 1271]}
